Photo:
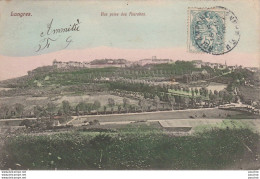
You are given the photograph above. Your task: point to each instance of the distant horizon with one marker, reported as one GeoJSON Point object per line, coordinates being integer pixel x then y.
{"type": "Point", "coordinates": [150, 59]}
{"type": "Point", "coordinates": [12, 67]}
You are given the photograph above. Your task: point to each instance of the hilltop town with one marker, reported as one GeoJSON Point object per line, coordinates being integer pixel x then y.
{"type": "Point", "coordinates": [152, 84]}
{"type": "Point", "coordinates": [102, 63]}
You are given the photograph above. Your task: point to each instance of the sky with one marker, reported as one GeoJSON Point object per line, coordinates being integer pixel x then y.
{"type": "Point", "coordinates": [162, 32]}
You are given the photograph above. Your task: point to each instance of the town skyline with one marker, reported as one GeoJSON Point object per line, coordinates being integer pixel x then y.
{"type": "Point", "coordinates": [122, 63]}
{"type": "Point", "coordinates": [12, 67]}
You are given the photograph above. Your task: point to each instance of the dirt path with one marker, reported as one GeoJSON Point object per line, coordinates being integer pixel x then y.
{"type": "Point", "coordinates": [211, 113]}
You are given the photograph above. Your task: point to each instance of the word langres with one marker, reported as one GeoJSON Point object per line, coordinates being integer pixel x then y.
{"type": "Point", "coordinates": [20, 14]}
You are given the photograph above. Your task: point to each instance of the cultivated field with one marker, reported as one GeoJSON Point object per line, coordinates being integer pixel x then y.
{"type": "Point", "coordinates": [29, 102]}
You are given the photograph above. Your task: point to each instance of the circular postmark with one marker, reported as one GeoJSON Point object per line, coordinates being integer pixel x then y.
{"type": "Point", "coordinates": [215, 30]}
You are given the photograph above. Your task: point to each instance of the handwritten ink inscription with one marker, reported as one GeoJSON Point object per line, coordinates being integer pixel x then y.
{"type": "Point", "coordinates": [52, 35]}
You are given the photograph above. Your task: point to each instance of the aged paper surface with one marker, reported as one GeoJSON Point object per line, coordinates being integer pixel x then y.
{"type": "Point", "coordinates": [129, 84]}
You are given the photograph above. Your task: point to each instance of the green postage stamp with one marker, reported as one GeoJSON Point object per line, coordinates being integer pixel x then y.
{"type": "Point", "coordinates": [212, 30]}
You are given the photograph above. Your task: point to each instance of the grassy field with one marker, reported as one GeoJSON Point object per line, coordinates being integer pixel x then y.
{"type": "Point", "coordinates": [30, 102]}
{"type": "Point", "coordinates": [253, 125]}
{"type": "Point", "coordinates": [250, 93]}
{"type": "Point", "coordinates": [132, 147]}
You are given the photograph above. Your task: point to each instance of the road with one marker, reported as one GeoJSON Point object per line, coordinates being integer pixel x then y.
{"type": "Point", "coordinates": [160, 115]}
{"type": "Point", "coordinates": [219, 75]}
{"type": "Point", "coordinates": [192, 114]}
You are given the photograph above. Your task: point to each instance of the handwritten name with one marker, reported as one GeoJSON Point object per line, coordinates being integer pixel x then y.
{"type": "Point", "coordinates": [20, 14]}
{"type": "Point", "coordinates": [50, 31]}
{"type": "Point", "coordinates": [50, 35]}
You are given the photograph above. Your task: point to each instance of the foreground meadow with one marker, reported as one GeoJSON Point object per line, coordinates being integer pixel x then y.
{"type": "Point", "coordinates": [134, 147]}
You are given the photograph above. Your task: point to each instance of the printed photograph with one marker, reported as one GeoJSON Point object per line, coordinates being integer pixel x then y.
{"type": "Point", "coordinates": [130, 85]}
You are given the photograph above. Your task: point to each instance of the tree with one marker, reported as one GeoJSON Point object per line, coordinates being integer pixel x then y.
{"type": "Point", "coordinates": [199, 100]}
{"type": "Point", "coordinates": [229, 97]}
{"type": "Point", "coordinates": [119, 109]}
{"type": "Point", "coordinates": [51, 107]}
{"type": "Point", "coordinates": [215, 92]}
{"type": "Point", "coordinates": [142, 104]}
{"type": "Point", "coordinates": [171, 100]}
{"type": "Point", "coordinates": [156, 102]}
{"type": "Point", "coordinates": [211, 95]}
{"type": "Point", "coordinates": [27, 123]}
{"type": "Point", "coordinates": [196, 91]}
{"type": "Point", "coordinates": [96, 105]}
{"type": "Point", "coordinates": [236, 100]}
{"type": "Point", "coordinates": [186, 101]}
{"type": "Point", "coordinates": [221, 93]}
{"type": "Point", "coordinates": [38, 111]}
{"type": "Point", "coordinates": [188, 89]}
{"type": "Point", "coordinates": [66, 108]}
{"type": "Point", "coordinates": [81, 107]}
{"type": "Point", "coordinates": [126, 102]}
{"type": "Point", "coordinates": [201, 91]}
{"type": "Point", "coordinates": [59, 112]}
{"type": "Point", "coordinates": [19, 109]}
{"type": "Point", "coordinates": [192, 98]}
{"type": "Point", "coordinates": [105, 109]}
{"type": "Point", "coordinates": [4, 111]}
{"type": "Point", "coordinates": [89, 107]}
{"type": "Point", "coordinates": [204, 91]}
{"type": "Point", "coordinates": [178, 100]}
{"type": "Point", "coordinates": [111, 103]}
{"type": "Point", "coordinates": [192, 92]}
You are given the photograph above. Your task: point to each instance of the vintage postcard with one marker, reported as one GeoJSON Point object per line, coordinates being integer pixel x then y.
{"type": "Point", "coordinates": [130, 85]}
